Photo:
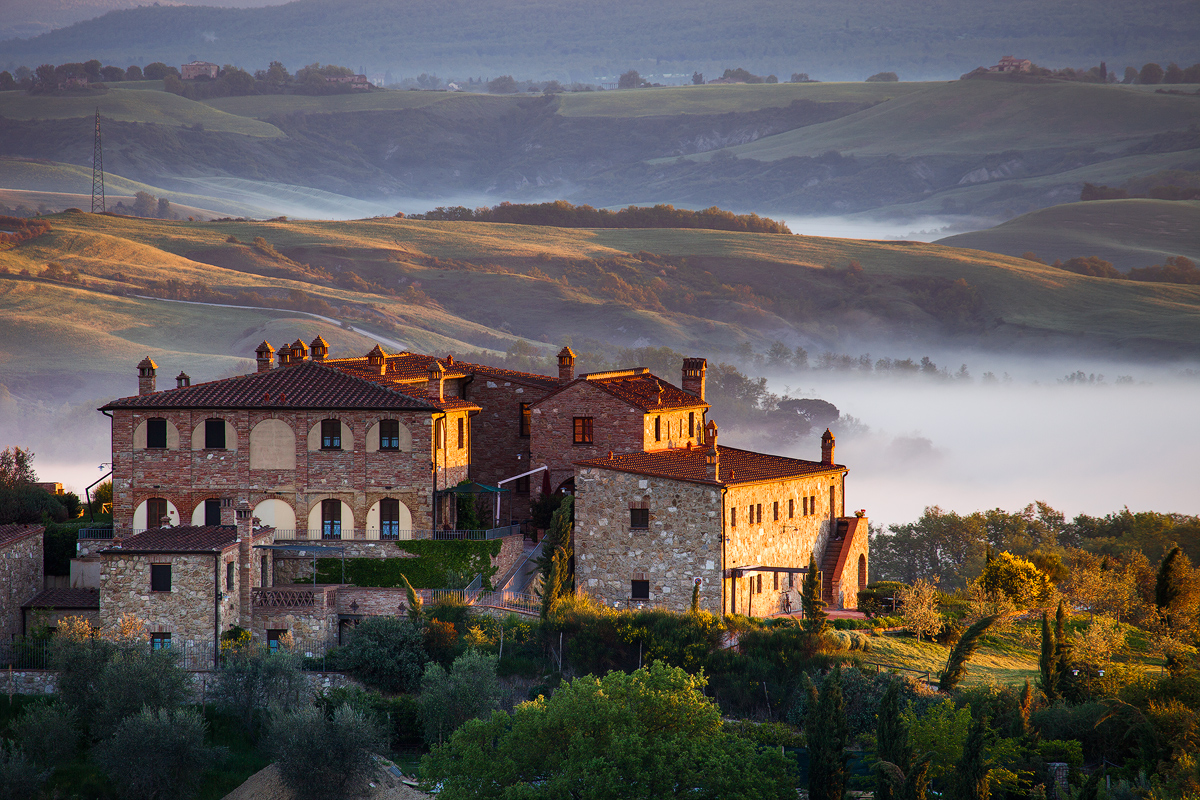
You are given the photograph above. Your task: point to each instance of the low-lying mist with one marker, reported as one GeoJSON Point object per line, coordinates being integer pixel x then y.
{"type": "Point", "coordinates": [1084, 444]}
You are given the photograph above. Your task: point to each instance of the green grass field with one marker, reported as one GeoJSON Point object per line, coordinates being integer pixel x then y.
{"type": "Point", "coordinates": [722, 99]}
{"type": "Point", "coordinates": [1129, 233]}
{"type": "Point", "coordinates": [132, 105]}
{"type": "Point", "coordinates": [263, 106]}
{"type": "Point", "coordinates": [986, 117]}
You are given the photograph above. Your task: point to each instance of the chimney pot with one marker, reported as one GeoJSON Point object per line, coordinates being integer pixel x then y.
{"type": "Point", "coordinates": [263, 354]}
{"type": "Point", "coordinates": [566, 365]}
{"type": "Point", "coordinates": [182, 380]}
{"type": "Point", "coordinates": [712, 459]}
{"type": "Point", "coordinates": [299, 350]}
{"type": "Point", "coordinates": [147, 380]}
{"type": "Point", "coordinates": [694, 370]}
{"type": "Point", "coordinates": [377, 360]}
{"type": "Point", "coordinates": [320, 349]}
{"type": "Point", "coordinates": [437, 378]}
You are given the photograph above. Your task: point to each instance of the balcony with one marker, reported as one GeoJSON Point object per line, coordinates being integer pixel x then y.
{"type": "Point", "coordinates": [297, 596]}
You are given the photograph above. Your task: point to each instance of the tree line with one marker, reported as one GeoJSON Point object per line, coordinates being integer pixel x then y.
{"type": "Point", "coordinates": [562, 214]}
{"type": "Point", "coordinates": [1174, 269]}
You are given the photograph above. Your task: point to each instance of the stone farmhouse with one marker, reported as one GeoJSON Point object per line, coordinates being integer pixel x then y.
{"type": "Point", "coordinates": [224, 492]}
{"type": "Point", "coordinates": [199, 69]}
{"type": "Point", "coordinates": [21, 548]}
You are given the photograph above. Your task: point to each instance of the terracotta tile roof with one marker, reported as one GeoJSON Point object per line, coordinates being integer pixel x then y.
{"type": "Point", "coordinates": [639, 388]}
{"type": "Point", "coordinates": [65, 598]}
{"type": "Point", "coordinates": [688, 464]}
{"type": "Point", "coordinates": [305, 385]}
{"type": "Point", "coordinates": [407, 368]}
{"type": "Point", "coordinates": [181, 539]}
{"type": "Point", "coordinates": [13, 533]}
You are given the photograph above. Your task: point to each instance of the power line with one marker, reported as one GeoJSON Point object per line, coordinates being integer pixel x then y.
{"type": "Point", "coordinates": [98, 170]}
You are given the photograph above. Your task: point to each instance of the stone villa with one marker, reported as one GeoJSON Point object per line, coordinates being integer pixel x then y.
{"type": "Point", "coordinates": [224, 491]}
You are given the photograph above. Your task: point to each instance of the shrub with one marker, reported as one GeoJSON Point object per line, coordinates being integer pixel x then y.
{"type": "Point", "coordinates": [883, 77]}
{"type": "Point", "coordinates": [137, 677]}
{"type": "Point", "coordinates": [247, 683]}
{"type": "Point", "coordinates": [156, 754]}
{"type": "Point", "coordinates": [386, 653]}
{"type": "Point", "coordinates": [325, 758]}
{"type": "Point", "coordinates": [469, 690]}
{"type": "Point", "coordinates": [1017, 578]}
{"type": "Point", "coordinates": [49, 733]}
{"type": "Point", "coordinates": [399, 715]}
{"type": "Point", "coordinates": [20, 778]}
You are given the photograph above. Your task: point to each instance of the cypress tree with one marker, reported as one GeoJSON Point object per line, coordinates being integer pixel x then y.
{"type": "Point", "coordinates": [1048, 678]}
{"type": "Point", "coordinates": [891, 742]}
{"type": "Point", "coordinates": [971, 771]}
{"type": "Point", "coordinates": [1062, 650]}
{"type": "Point", "coordinates": [827, 734]}
{"type": "Point", "coordinates": [917, 780]}
{"type": "Point", "coordinates": [815, 618]}
{"type": "Point", "coordinates": [1166, 590]}
{"type": "Point", "coordinates": [695, 598]}
{"type": "Point", "coordinates": [1026, 709]}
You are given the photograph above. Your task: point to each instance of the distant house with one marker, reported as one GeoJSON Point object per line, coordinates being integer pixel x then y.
{"type": "Point", "coordinates": [354, 81]}
{"type": "Point", "coordinates": [1011, 64]}
{"type": "Point", "coordinates": [200, 69]}
{"type": "Point", "coordinates": [724, 80]}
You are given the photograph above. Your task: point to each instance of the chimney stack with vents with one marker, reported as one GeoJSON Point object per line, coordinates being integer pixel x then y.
{"type": "Point", "coordinates": [245, 535]}
{"type": "Point", "coordinates": [182, 380]}
{"type": "Point", "coordinates": [263, 354]}
{"type": "Point", "coordinates": [827, 447]}
{"type": "Point", "coordinates": [147, 372]}
{"type": "Point", "coordinates": [285, 355]}
{"type": "Point", "coordinates": [377, 360]}
{"type": "Point", "coordinates": [299, 351]}
{"type": "Point", "coordinates": [320, 349]}
{"type": "Point", "coordinates": [566, 365]}
{"type": "Point", "coordinates": [712, 459]}
{"type": "Point", "coordinates": [228, 517]}
{"type": "Point", "coordinates": [437, 378]}
{"type": "Point", "coordinates": [693, 376]}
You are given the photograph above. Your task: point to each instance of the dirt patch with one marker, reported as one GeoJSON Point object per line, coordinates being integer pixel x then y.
{"type": "Point", "coordinates": [384, 785]}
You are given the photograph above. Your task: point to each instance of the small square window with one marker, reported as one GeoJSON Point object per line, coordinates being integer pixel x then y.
{"type": "Point", "coordinates": [156, 434]}
{"type": "Point", "coordinates": [214, 434]}
{"type": "Point", "coordinates": [639, 518]}
{"type": "Point", "coordinates": [639, 590]}
{"type": "Point", "coordinates": [389, 434]}
{"type": "Point", "coordinates": [522, 485]}
{"type": "Point", "coordinates": [273, 638]}
{"type": "Point", "coordinates": [160, 641]}
{"type": "Point", "coordinates": [583, 430]}
{"type": "Point", "coordinates": [331, 434]}
{"type": "Point", "coordinates": [160, 577]}
{"type": "Point", "coordinates": [526, 420]}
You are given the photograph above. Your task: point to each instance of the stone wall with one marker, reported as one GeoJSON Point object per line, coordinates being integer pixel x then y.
{"type": "Point", "coordinates": [21, 570]}
{"type": "Point", "coordinates": [359, 475]}
{"type": "Point", "coordinates": [682, 542]}
{"type": "Point", "coordinates": [855, 561]}
{"type": "Point", "coordinates": [512, 550]}
{"type": "Point", "coordinates": [187, 611]}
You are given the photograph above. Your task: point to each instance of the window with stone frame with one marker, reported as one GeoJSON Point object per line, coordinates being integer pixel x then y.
{"type": "Point", "coordinates": [526, 420]}
{"type": "Point", "coordinates": [331, 519]}
{"type": "Point", "coordinates": [691, 424]}
{"type": "Point", "coordinates": [583, 430]}
{"type": "Point", "coordinates": [462, 438]}
{"type": "Point", "coordinates": [791, 507]}
{"type": "Point", "coordinates": [812, 504]}
{"type": "Point", "coordinates": [639, 518]}
{"type": "Point", "coordinates": [331, 434]}
{"type": "Point", "coordinates": [758, 509]}
{"type": "Point", "coordinates": [389, 434]}
{"type": "Point", "coordinates": [156, 434]}
{"type": "Point", "coordinates": [160, 577]}
{"type": "Point", "coordinates": [804, 500]}
{"type": "Point", "coordinates": [214, 434]}
{"type": "Point", "coordinates": [658, 429]}
{"type": "Point", "coordinates": [156, 512]}
{"type": "Point", "coordinates": [389, 518]}
{"type": "Point", "coordinates": [212, 512]}
{"type": "Point", "coordinates": [229, 576]}
{"type": "Point", "coordinates": [639, 590]}
{"type": "Point", "coordinates": [775, 506]}
{"type": "Point", "coordinates": [160, 641]}
{"type": "Point", "coordinates": [733, 516]}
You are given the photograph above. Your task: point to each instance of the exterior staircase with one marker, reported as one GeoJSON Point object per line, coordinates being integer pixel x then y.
{"type": "Point", "coordinates": [829, 561]}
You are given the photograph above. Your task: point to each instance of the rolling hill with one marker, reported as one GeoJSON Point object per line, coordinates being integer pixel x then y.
{"type": "Point", "coordinates": [465, 287]}
{"type": "Point", "coordinates": [572, 40]}
{"type": "Point", "coordinates": [1128, 233]}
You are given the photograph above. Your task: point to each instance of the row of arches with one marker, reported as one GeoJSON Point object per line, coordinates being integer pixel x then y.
{"type": "Point", "coordinates": [273, 441]}
{"type": "Point", "coordinates": [388, 517]}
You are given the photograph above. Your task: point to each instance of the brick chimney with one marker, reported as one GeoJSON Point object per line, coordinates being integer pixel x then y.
{"type": "Point", "coordinates": [285, 355]}
{"type": "Point", "coordinates": [566, 365]}
{"type": "Point", "coordinates": [245, 568]}
{"type": "Point", "coordinates": [377, 359]}
{"type": "Point", "coordinates": [299, 350]}
{"type": "Point", "coordinates": [147, 372]}
{"type": "Point", "coordinates": [182, 380]}
{"type": "Point", "coordinates": [827, 447]}
{"type": "Point", "coordinates": [320, 349]}
{"type": "Point", "coordinates": [437, 381]}
{"type": "Point", "coordinates": [263, 354]}
{"type": "Point", "coordinates": [693, 376]}
{"type": "Point", "coordinates": [712, 459]}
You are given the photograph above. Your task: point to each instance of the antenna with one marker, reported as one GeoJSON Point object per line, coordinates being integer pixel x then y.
{"type": "Point", "coordinates": [98, 170]}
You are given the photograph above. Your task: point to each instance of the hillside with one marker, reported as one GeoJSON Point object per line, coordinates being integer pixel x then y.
{"type": "Point", "coordinates": [462, 287]}
{"type": "Point", "coordinates": [574, 40]}
{"type": "Point", "coordinates": [985, 148]}
{"type": "Point", "coordinates": [1129, 233]}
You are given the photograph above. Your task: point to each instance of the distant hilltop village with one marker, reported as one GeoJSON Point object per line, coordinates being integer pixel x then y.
{"type": "Point", "coordinates": [224, 492]}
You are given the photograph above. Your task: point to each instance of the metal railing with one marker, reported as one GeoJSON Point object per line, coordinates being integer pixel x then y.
{"type": "Point", "coordinates": [294, 597]}
{"type": "Point", "coordinates": [512, 601]}
{"type": "Point", "coordinates": [391, 534]}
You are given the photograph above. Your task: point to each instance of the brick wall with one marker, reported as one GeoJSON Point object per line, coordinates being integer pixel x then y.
{"type": "Point", "coordinates": [616, 426]}
{"type": "Point", "coordinates": [498, 449]}
{"type": "Point", "coordinates": [20, 578]}
{"type": "Point", "coordinates": [360, 474]}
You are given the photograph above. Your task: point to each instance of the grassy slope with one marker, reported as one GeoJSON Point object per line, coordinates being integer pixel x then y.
{"type": "Point", "coordinates": [1129, 233]}
{"type": "Point", "coordinates": [722, 99]}
{"type": "Point", "coordinates": [984, 116]}
{"type": "Point", "coordinates": [263, 106]}
{"type": "Point", "coordinates": [1022, 293]}
{"type": "Point", "coordinates": [132, 105]}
